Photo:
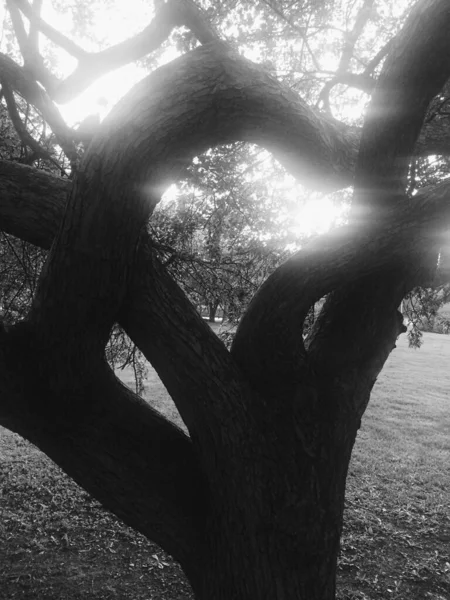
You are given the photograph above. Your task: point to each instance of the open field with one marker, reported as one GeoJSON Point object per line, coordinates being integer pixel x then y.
{"type": "Point", "coordinates": [58, 544]}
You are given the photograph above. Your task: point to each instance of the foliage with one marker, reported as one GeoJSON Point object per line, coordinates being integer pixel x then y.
{"type": "Point", "coordinates": [222, 231]}
{"type": "Point", "coordinates": [20, 266]}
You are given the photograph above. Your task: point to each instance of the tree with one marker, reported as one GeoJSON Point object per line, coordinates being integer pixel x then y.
{"type": "Point", "coordinates": [222, 235]}
{"type": "Point", "coordinates": [251, 502]}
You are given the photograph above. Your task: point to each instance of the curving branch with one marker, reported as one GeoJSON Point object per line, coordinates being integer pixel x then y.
{"type": "Point", "coordinates": [396, 122]}
{"type": "Point", "coordinates": [174, 13]}
{"type": "Point", "coordinates": [141, 466]}
{"type": "Point", "coordinates": [25, 137]}
{"type": "Point", "coordinates": [225, 98]}
{"type": "Point", "coordinates": [352, 36]}
{"type": "Point", "coordinates": [268, 344]}
{"type": "Point", "coordinates": [29, 46]}
{"type": "Point", "coordinates": [415, 70]}
{"type": "Point", "coordinates": [33, 36]}
{"type": "Point", "coordinates": [21, 82]}
{"type": "Point", "coordinates": [320, 151]}
{"type": "Point", "coordinates": [222, 103]}
{"type": "Point", "coordinates": [412, 74]}
{"type": "Point", "coordinates": [53, 34]}
{"type": "Point", "coordinates": [61, 395]}
{"type": "Point", "coordinates": [190, 360]}
{"type": "Point", "coordinates": [334, 260]}
{"type": "Point", "coordinates": [19, 29]}
{"type": "Point", "coordinates": [360, 81]}
{"type": "Point", "coordinates": [32, 206]}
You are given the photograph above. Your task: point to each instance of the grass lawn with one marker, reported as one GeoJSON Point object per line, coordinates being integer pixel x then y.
{"type": "Point", "coordinates": [58, 544]}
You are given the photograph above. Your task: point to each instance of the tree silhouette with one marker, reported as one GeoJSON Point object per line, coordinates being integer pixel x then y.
{"type": "Point", "coordinates": [251, 502]}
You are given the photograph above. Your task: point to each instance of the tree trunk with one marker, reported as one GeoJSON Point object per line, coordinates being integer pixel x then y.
{"type": "Point", "coordinates": [276, 516]}
{"type": "Point", "coordinates": [260, 518]}
{"type": "Point", "coordinates": [251, 503]}
{"type": "Point", "coordinates": [212, 312]}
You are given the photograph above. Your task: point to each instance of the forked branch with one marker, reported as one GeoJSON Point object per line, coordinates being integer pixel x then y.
{"type": "Point", "coordinates": [174, 13]}
{"type": "Point", "coordinates": [109, 441]}
{"type": "Point", "coordinates": [269, 343]}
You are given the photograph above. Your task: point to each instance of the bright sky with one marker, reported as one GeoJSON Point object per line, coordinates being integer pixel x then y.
{"type": "Point", "coordinates": [120, 21]}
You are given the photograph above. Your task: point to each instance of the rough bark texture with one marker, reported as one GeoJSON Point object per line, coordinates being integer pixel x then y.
{"type": "Point", "coordinates": [251, 502]}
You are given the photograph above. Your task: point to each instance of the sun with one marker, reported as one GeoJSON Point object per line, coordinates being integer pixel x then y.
{"type": "Point", "coordinates": [316, 216]}
{"type": "Point", "coordinates": [108, 26]}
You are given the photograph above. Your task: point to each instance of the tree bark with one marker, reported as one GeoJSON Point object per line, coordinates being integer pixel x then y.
{"type": "Point", "coordinates": [251, 502]}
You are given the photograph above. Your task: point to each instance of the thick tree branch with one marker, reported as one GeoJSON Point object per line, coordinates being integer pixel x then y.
{"type": "Point", "coordinates": [415, 70]}
{"type": "Point", "coordinates": [319, 151]}
{"type": "Point", "coordinates": [207, 121]}
{"type": "Point", "coordinates": [156, 314]}
{"type": "Point", "coordinates": [268, 344]}
{"type": "Point", "coordinates": [19, 29]}
{"type": "Point", "coordinates": [388, 140]}
{"type": "Point", "coordinates": [32, 205]}
{"type": "Point", "coordinates": [223, 103]}
{"type": "Point", "coordinates": [434, 138]}
{"type": "Point", "coordinates": [141, 466]}
{"type": "Point", "coordinates": [366, 313]}
{"type": "Point", "coordinates": [33, 36]}
{"type": "Point", "coordinates": [163, 323]}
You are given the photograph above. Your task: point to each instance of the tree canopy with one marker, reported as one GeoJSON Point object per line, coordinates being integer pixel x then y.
{"type": "Point", "coordinates": [342, 94]}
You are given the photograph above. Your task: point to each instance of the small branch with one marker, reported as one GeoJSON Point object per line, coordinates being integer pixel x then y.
{"type": "Point", "coordinates": [360, 81]}
{"type": "Point", "coordinates": [373, 64]}
{"type": "Point", "coordinates": [33, 37]}
{"type": "Point", "coordinates": [352, 36]}
{"type": "Point", "coordinates": [25, 137]}
{"type": "Point", "coordinates": [19, 28]}
{"type": "Point", "coordinates": [53, 34]}
{"type": "Point", "coordinates": [174, 13]}
{"type": "Point", "coordinates": [268, 345]}
{"type": "Point", "coordinates": [29, 46]}
{"type": "Point", "coordinates": [21, 82]}
{"type": "Point", "coordinates": [296, 28]}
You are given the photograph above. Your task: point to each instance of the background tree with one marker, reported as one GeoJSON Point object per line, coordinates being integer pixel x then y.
{"type": "Point", "coordinates": [225, 230]}
{"type": "Point", "coordinates": [251, 501]}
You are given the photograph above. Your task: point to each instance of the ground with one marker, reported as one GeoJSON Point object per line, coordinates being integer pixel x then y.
{"type": "Point", "coordinates": [58, 544]}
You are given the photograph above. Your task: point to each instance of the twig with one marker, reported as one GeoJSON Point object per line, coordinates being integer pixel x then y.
{"type": "Point", "coordinates": [24, 135]}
